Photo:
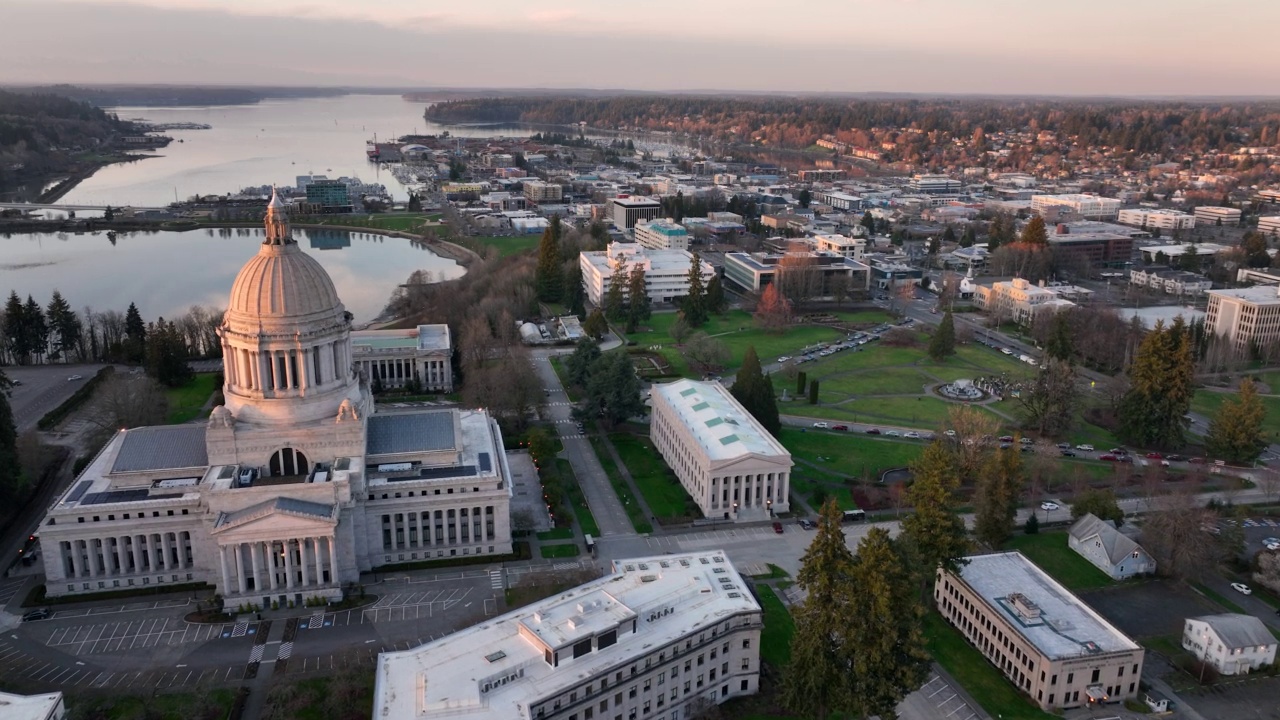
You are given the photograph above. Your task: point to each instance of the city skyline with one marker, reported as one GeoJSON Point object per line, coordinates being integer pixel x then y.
{"type": "Point", "coordinates": [995, 47]}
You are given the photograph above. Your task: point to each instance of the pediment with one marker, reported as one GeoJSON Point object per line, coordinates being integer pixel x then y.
{"type": "Point", "coordinates": [782, 464]}
{"type": "Point", "coordinates": [280, 517]}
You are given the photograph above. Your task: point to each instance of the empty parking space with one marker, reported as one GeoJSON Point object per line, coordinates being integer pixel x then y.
{"type": "Point", "coordinates": [140, 634]}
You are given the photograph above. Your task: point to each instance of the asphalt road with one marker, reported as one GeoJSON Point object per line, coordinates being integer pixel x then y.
{"type": "Point", "coordinates": [43, 388]}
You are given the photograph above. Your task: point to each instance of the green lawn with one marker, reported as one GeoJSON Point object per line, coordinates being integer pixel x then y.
{"type": "Point", "coordinates": [849, 453]}
{"type": "Point", "coordinates": [563, 533]}
{"type": "Point", "coordinates": [557, 364]}
{"type": "Point", "coordinates": [1050, 552]}
{"type": "Point", "coordinates": [559, 551]}
{"type": "Point", "coordinates": [736, 329]}
{"type": "Point", "coordinates": [319, 698]}
{"type": "Point", "coordinates": [634, 512]}
{"type": "Point", "coordinates": [975, 674]}
{"type": "Point", "coordinates": [506, 244]}
{"type": "Point", "coordinates": [160, 706]}
{"type": "Point", "coordinates": [577, 500]}
{"type": "Point", "coordinates": [1207, 402]}
{"type": "Point", "coordinates": [186, 402]}
{"type": "Point", "coordinates": [926, 413]}
{"type": "Point", "coordinates": [775, 638]}
{"type": "Point", "coordinates": [666, 497]}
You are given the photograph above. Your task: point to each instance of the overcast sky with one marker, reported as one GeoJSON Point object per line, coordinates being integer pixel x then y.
{"type": "Point", "coordinates": [1112, 47]}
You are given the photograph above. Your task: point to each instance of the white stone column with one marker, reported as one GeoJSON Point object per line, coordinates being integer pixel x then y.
{"type": "Point", "coordinates": [257, 567]}
{"type": "Point", "coordinates": [135, 544]}
{"type": "Point", "coordinates": [122, 557]}
{"type": "Point", "coordinates": [226, 576]}
{"type": "Point", "coordinates": [305, 373]}
{"type": "Point", "coordinates": [151, 552]}
{"type": "Point", "coordinates": [291, 382]}
{"type": "Point", "coordinates": [241, 579]}
{"type": "Point", "coordinates": [302, 561]}
{"type": "Point", "coordinates": [75, 558]}
{"type": "Point", "coordinates": [422, 538]}
{"type": "Point", "coordinates": [333, 560]}
{"type": "Point", "coordinates": [165, 560]}
{"type": "Point", "coordinates": [271, 565]}
{"type": "Point", "coordinates": [288, 563]}
{"type": "Point", "coordinates": [319, 561]}
{"type": "Point", "coordinates": [431, 528]}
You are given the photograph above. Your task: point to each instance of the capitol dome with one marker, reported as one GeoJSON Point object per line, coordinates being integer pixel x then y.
{"type": "Point", "coordinates": [282, 281]}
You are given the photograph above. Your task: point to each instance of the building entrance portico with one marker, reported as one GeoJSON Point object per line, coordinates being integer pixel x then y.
{"type": "Point", "coordinates": [281, 550]}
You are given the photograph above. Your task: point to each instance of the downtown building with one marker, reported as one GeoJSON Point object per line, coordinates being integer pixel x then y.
{"type": "Point", "coordinates": [295, 485]}
{"type": "Point", "coordinates": [1245, 317]}
{"type": "Point", "coordinates": [395, 357]}
{"type": "Point", "coordinates": [1088, 207]}
{"type": "Point", "coordinates": [627, 210]}
{"type": "Point", "coordinates": [661, 235]}
{"type": "Point", "coordinates": [659, 638]}
{"type": "Point", "coordinates": [727, 461]}
{"type": "Point", "coordinates": [1054, 648]}
{"type": "Point", "coordinates": [666, 272]}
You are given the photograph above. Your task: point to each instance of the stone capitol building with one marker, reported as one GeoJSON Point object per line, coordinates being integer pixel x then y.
{"type": "Point", "coordinates": [296, 485]}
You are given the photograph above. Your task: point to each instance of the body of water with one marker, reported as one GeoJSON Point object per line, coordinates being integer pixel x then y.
{"type": "Point", "coordinates": [165, 273]}
{"type": "Point", "coordinates": [271, 142]}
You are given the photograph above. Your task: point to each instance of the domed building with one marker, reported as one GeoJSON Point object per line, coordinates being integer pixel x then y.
{"type": "Point", "coordinates": [296, 484]}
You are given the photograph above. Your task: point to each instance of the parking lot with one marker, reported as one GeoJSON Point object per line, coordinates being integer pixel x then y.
{"type": "Point", "coordinates": [141, 634]}
{"type": "Point", "coordinates": [40, 388]}
{"type": "Point", "coordinates": [1148, 609]}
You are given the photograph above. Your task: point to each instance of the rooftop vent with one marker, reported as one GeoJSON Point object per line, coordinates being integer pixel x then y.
{"type": "Point", "coordinates": [648, 578]}
{"type": "Point", "coordinates": [1024, 607]}
{"type": "Point", "coordinates": [495, 656]}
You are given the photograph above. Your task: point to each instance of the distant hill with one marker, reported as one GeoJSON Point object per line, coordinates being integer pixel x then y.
{"type": "Point", "coordinates": [173, 95]}
{"type": "Point", "coordinates": [43, 135]}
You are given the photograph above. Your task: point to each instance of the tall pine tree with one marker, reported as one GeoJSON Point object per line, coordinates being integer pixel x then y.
{"type": "Point", "coordinates": [934, 532]}
{"type": "Point", "coordinates": [135, 333]}
{"type": "Point", "coordinates": [943, 343]}
{"type": "Point", "coordinates": [695, 303]}
{"type": "Point", "coordinates": [996, 499]}
{"type": "Point", "coordinates": [11, 480]}
{"type": "Point", "coordinates": [754, 390]}
{"type": "Point", "coordinates": [575, 297]}
{"type": "Point", "coordinates": [638, 307]}
{"type": "Point", "coordinates": [716, 301]}
{"type": "Point", "coordinates": [64, 327]}
{"type": "Point", "coordinates": [1235, 431]}
{"type": "Point", "coordinates": [615, 297]}
{"type": "Point", "coordinates": [548, 278]}
{"type": "Point", "coordinates": [1153, 412]}
{"type": "Point", "coordinates": [15, 329]}
{"type": "Point", "coordinates": [35, 328]}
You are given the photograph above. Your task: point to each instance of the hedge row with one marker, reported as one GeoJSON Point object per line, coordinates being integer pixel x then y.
{"type": "Point", "coordinates": [78, 398]}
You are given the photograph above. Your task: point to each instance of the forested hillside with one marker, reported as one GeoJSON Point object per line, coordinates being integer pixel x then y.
{"type": "Point", "coordinates": [41, 135]}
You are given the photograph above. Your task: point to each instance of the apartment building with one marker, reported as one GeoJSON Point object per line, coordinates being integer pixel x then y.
{"type": "Point", "coordinates": [1213, 215]}
{"type": "Point", "coordinates": [1233, 644]}
{"type": "Point", "coordinates": [1245, 316]}
{"type": "Point", "coordinates": [666, 272]}
{"type": "Point", "coordinates": [1166, 220]}
{"type": "Point", "coordinates": [1089, 207]}
{"type": "Point", "coordinates": [1173, 282]}
{"type": "Point", "coordinates": [538, 192]}
{"type": "Point", "coordinates": [1269, 225]}
{"type": "Point", "coordinates": [626, 210]}
{"type": "Point", "coordinates": [843, 245]}
{"type": "Point", "coordinates": [731, 466]}
{"type": "Point", "coordinates": [661, 235]}
{"type": "Point", "coordinates": [1049, 644]}
{"type": "Point", "coordinates": [658, 638]}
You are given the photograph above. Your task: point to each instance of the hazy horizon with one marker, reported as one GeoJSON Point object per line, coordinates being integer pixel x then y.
{"type": "Point", "coordinates": [1088, 48]}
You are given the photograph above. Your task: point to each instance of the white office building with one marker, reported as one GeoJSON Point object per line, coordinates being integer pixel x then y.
{"type": "Point", "coordinates": [1269, 225]}
{"type": "Point", "coordinates": [1233, 644]}
{"type": "Point", "coordinates": [1245, 316]}
{"type": "Point", "coordinates": [293, 487]}
{"type": "Point", "coordinates": [1089, 207]}
{"type": "Point", "coordinates": [394, 357]}
{"type": "Point", "coordinates": [843, 245]}
{"type": "Point", "coordinates": [666, 272]}
{"type": "Point", "coordinates": [1167, 220]}
{"type": "Point", "coordinates": [934, 185]}
{"type": "Point", "coordinates": [661, 235]}
{"type": "Point", "coordinates": [627, 210]}
{"type": "Point", "coordinates": [658, 638]}
{"type": "Point", "coordinates": [49, 706]}
{"type": "Point", "coordinates": [1216, 215]}
{"type": "Point", "coordinates": [730, 465]}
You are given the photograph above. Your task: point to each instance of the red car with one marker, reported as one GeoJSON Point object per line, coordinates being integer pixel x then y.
{"type": "Point", "coordinates": [777, 527]}
{"type": "Point", "coordinates": [1154, 456]}
{"type": "Point", "coordinates": [841, 428]}
{"type": "Point", "coordinates": [873, 431]}
{"type": "Point", "coordinates": [1109, 458]}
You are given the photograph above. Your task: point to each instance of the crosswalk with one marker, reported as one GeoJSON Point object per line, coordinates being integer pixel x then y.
{"type": "Point", "coordinates": [496, 579]}
{"type": "Point", "coordinates": [559, 404]}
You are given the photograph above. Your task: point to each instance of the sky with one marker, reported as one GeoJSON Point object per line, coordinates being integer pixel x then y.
{"type": "Point", "coordinates": [1007, 47]}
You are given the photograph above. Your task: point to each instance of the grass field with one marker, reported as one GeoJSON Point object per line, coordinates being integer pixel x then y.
{"type": "Point", "coordinates": [983, 681]}
{"type": "Point", "coordinates": [160, 706]}
{"type": "Point", "coordinates": [562, 533]}
{"type": "Point", "coordinates": [318, 698]}
{"type": "Point", "coordinates": [666, 497]}
{"type": "Point", "coordinates": [775, 638]}
{"type": "Point", "coordinates": [1050, 552]}
{"type": "Point", "coordinates": [634, 512]}
{"type": "Point", "coordinates": [849, 453]}
{"type": "Point", "coordinates": [185, 402]}
{"type": "Point", "coordinates": [506, 244]}
{"type": "Point", "coordinates": [559, 551]}
{"type": "Point", "coordinates": [927, 413]}
{"type": "Point", "coordinates": [1207, 402]}
{"type": "Point", "coordinates": [736, 329]}
{"type": "Point", "coordinates": [577, 500]}
{"type": "Point", "coordinates": [402, 222]}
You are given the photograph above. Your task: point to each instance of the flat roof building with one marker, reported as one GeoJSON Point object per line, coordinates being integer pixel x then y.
{"type": "Point", "coordinates": [730, 464]}
{"type": "Point", "coordinates": [1269, 225]}
{"type": "Point", "coordinates": [394, 357]}
{"type": "Point", "coordinates": [538, 192]}
{"type": "Point", "coordinates": [661, 235]}
{"type": "Point", "coordinates": [1018, 299]}
{"type": "Point", "coordinates": [1099, 248]}
{"type": "Point", "coordinates": [1050, 645]}
{"type": "Point", "coordinates": [666, 272]}
{"type": "Point", "coordinates": [843, 245]}
{"type": "Point", "coordinates": [822, 271]}
{"type": "Point", "coordinates": [934, 185]}
{"type": "Point", "coordinates": [626, 211]}
{"type": "Point", "coordinates": [1245, 316]}
{"type": "Point", "coordinates": [1089, 207]}
{"type": "Point", "coordinates": [1162, 219]}
{"type": "Point", "coordinates": [48, 706]}
{"type": "Point", "coordinates": [1215, 215]}
{"type": "Point", "coordinates": [655, 638]}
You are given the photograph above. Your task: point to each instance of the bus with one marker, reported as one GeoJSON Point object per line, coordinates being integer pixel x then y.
{"type": "Point", "coordinates": [591, 545]}
{"type": "Point", "coordinates": [855, 515]}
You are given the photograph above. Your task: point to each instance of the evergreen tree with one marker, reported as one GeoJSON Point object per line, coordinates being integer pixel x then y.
{"type": "Point", "coordinates": [1152, 413]}
{"type": "Point", "coordinates": [167, 355]}
{"type": "Point", "coordinates": [890, 659]}
{"type": "Point", "coordinates": [804, 197]}
{"type": "Point", "coordinates": [11, 480]}
{"type": "Point", "coordinates": [869, 222]}
{"type": "Point", "coordinates": [615, 298]}
{"type": "Point", "coordinates": [695, 303]}
{"type": "Point", "coordinates": [548, 278]}
{"type": "Point", "coordinates": [802, 381]}
{"type": "Point", "coordinates": [36, 329]}
{"type": "Point", "coordinates": [969, 237]}
{"type": "Point", "coordinates": [949, 235]}
{"type": "Point", "coordinates": [716, 301]}
{"type": "Point", "coordinates": [996, 499]}
{"type": "Point", "coordinates": [575, 296]}
{"type": "Point", "coordinates": [815, 682]}
{"type": "Point", "coordinates": [1099, 503]}
{"type": "Point", "coordinates": [1235, 431]}
{"type": "Point", "coordinates": [1032, 525]}
{"type": "Point", "coordinates": [15, 328]}
{"type": "Point", "coordinates": [754, 390]}
{"type": "Point", "coordinates": [943, 342]}
{"type": "Point", "coordinates": [813, 391]}
{"type": "Point", "coordinates": [638, 307]}
{"type": "Point", "coordinates": [64, 326]}
{"type": "Point", "coordinates": [578, 364]}
{"type": "Point", "coordinates": [595, 326]}
{"type": "Point", "coordinates": [1061, 344]}
{"type": "Point", "coordinates": [135, 333]}
{"type": "Point", "coordinates": [1034, 233]}
{"type": "Point", "coordinates": [933, 530]}
{"type": "Point", "coordinates": [613, 389]}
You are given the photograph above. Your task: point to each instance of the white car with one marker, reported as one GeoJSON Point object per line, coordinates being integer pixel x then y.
{"type": "Point", "coordinates": [1242, 588]}
{"type": "Point", "coordinates": [784, 358]}
{"type": "Point", "coordinates": [950, 433]}
{"type": "Point", "coordinates": [892, 433]}
{"type": "Point", "coordinates": [1271, 541]}
{"type": "Point", "coordinates": [820, 425]}
{"type": "Point", "coordinates": [73, 378]}
{"type": "Point", "coordinates": [1085, 447]}
{"type": "Point", "coordinates": [1006, 351]}
{"type": "Point", "coordinates": [912, 434]}
{"type": "Point", "coordinates": [1272, 546]}
{"type": "Point", "coordinates": [1050, 506]}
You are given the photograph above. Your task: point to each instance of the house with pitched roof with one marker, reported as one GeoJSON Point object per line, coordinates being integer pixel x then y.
{"type": "Point", "coordinates": [1113, 552]}
{"type": "Point", "coordinates": [1232, 643]}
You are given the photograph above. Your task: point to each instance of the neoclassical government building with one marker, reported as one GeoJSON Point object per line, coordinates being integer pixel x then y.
{"type": "Point", "coordinates": [296, 484]}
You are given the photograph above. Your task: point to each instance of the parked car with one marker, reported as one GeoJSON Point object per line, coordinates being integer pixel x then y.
{"type": "Point", "coordinates": [1175, 458]}
{"type": "Point", "coordinates": [806, 524]}
{"type": "Point", "coordinates": [1026, 441]}
{"type": "Point", "coordinates": [1154, 456]}
{"type": "Point", "coordinates": [1064, 446]}
{"type": "Point", "coordinates": [873, 431]}
{"type": "Point", "coordinates": [783, 359]}
{"type": "Point", "coordinates": [1085, 447]}
{"type": "Point", "coordinates": [777, 527]}
{"type": "Point", "coordinates": [1108, 457]}
{"type": "Point", "coordinates": [1067, 453]}
{"type": "Point", "coordinates": [841, 428]}
{"type": "Point", "coordinates": [893, 433]}
{"type": "Point", "coordinates": [950, 433]}
{"type": "Point", "coordinates": [1242, 588]}
{"type": "Point", "coordinates": [820, 425]}
{"type": "Point", "coordinates": [1118, 451]}
{"type": "Point", "coordinates": [1196, 460]}
{"type": "Point", "coordinates": [1050, 506]}
{"type": "Point", "coordinates": [75, 377]}
{"type": "Point", "coordinates": [37, 614]}
{"type": "Point", "coordinates": [1006, 438]}
{"type": "Point", "coordinates": [912, 434]}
